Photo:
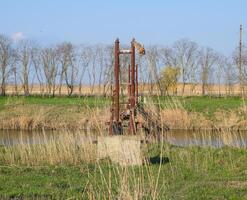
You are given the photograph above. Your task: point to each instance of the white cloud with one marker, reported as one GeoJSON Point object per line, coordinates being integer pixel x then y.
{"type": "Point", "coordinates": [17, 36]}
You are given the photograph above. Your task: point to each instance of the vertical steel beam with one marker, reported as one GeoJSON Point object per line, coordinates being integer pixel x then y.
{"type": "Point", "coordinates": [129, 84]}
{"type": "Point", "coordinates": [117, 84]}
{"type": "Point", "coordinates": [132, 102]}
{"type": "Point", "coordinates": [132, 74]}
{"type": "Point", "coordinates": [136, 84]}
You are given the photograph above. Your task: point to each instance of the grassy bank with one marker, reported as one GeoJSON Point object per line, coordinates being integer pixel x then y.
{"type": "Point", "coordinates": [75, 113]}
{"type": "Point", "coordinates": [70, 113]}
{"type": "Point", "coordinates": [199, 113]}
{"type": "Point", "coordinates": [169, 173]}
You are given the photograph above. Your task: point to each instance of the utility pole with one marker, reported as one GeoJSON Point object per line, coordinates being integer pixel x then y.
{"type": "Point", "coordinates": [241, 77]}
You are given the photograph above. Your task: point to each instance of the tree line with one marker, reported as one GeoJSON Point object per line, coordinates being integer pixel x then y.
{"type": "Point", "coordinates": [26, 64]}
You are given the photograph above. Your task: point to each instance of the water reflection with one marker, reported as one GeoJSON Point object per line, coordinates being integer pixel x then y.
{"type": "Point", "coordinates": [10, 138]}
{"type": "Point", "coordinates": [179, 138]}
{"type": "Point", "coordinates": [207, 138]}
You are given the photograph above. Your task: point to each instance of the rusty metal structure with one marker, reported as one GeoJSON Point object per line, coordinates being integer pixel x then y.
{"type": "Point", "coordinates": [123, 114]}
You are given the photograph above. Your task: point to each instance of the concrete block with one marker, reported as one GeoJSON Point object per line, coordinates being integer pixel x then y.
{"type": "Point", "coordinates": [124, 150]}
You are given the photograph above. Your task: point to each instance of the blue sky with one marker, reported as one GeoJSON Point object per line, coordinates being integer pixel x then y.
{"type": "Point", "coordinates": [213, 23]}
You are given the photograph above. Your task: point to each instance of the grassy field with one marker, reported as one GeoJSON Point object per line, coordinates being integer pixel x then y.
{"type": "Point", "coordinates": [202, 104]}
{"type": "Point", "coordinates": [87, 101]}
{"type": "Point", "coordinates": [171, 173]}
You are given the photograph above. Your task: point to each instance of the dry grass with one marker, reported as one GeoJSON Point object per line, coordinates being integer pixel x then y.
{"type": "Point", "coordinates": [221, 120]}
{"type": "Point", "coordinates": [189, 90]}
{"type": "Point", "coordinates": [175, 116]}
{"type": "Point", "coordinates": [65, 148]}
{"type": "Point", "coordinates": [40, 117]}
{"type": "Point", "coordinates": [49, 117]}
{"type": "Point", "coordinates": [182, 119]}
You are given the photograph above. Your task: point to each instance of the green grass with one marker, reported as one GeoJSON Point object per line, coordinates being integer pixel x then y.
{"type": "Point", "coordinates": [89, 101]}
{"type": "Point", "coordinates": [196, 103]}
{"type": "Point", "coordinates": [186, 173]}
{"type": "Point", "coordinates": [202, 104]}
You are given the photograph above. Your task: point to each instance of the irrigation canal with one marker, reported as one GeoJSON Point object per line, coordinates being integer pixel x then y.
{"type": "Point", "coordinates": [178, 138]}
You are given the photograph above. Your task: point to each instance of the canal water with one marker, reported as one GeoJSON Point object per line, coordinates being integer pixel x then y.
{"type": "Point", "coordinates": [178, 138]}
{"type": "Point", "coordinates": [207, 138]}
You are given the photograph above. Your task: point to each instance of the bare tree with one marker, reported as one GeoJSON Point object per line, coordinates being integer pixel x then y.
{"type": "Point", "coordinates": [108, 64]}
{"type": "Point", "coordinates": [220, 63]}
{"type": "Point", "coordinates": [15, 72]}
{"type": "Point", "coordinates": [208, 59]}
{"type": "Point", "coordinates": [92, 68]}
{"type": "Point", "coordinates": [63, 58]}
{"type": "Point", "coordinates": [37, 61]}
{"type": "Point", "coordinates": [72, 72]}
{"type": "Point", "coordinates": [230, 77]}
{"type": "Point", "coordinates": [68, 58]}
{"type": "Point", "coordinates": [24, 52]}
{"type": "Point", "coordinates": [50, 60]}
{"type": "Point", "coordinates": [152, 59]}
{"type": "Point", "coordinates": [85, 59]}
{"type": "Point", "coordinates": [142, 72]}
{"type": "Point", "coordinates": [6, 61]}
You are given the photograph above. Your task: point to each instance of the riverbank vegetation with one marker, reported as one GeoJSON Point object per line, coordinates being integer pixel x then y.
{"type": "Point", "coordinates": [91, 112]}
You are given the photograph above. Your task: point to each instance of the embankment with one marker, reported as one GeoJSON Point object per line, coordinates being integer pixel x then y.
{"type": "Point", "coordinates": [74, 117]}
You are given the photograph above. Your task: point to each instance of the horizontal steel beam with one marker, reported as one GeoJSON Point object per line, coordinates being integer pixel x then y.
{"type": "Point", "coordinates": [125, 51]}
